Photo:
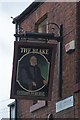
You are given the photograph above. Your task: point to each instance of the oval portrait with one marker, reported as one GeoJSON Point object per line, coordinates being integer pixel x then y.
{"type": "Point", "coordinates": [32, 72]}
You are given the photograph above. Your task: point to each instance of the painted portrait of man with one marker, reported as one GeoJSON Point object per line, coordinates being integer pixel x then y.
{"type": "Point", "coordinates": [32, 72]}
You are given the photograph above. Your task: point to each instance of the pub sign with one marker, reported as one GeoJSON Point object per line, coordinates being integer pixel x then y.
{"type": "Point", "coordinates": [33, 69]}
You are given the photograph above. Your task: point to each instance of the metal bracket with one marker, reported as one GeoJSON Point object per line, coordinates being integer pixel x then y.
{"type": "Point", "coordinates": [50, 36]}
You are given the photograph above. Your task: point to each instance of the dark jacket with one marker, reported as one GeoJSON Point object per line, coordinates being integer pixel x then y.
{"type": "Point", "coordinates": [30, 74]}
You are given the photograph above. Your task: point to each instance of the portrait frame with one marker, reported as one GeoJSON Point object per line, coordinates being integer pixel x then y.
{"type": "Point", "coordinates": [45, 54]}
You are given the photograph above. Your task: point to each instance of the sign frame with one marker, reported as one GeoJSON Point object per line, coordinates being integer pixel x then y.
{"type": "Point", "coordinates": [23, 50]}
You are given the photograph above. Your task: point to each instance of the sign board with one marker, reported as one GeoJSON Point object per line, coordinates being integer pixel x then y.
{"type": "Point", "coordinates": [32, 74]}
{"type": "Point", "coordinates": [70, 46]}
{"type": "Point", "coordinates": [64, 104]}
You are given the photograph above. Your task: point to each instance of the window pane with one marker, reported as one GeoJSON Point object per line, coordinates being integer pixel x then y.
{"type": "Point", "coordinates": [43, 27]}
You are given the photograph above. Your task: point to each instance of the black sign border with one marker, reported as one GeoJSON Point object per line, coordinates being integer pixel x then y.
{"type": "Point", "coordinates": [16, 44]}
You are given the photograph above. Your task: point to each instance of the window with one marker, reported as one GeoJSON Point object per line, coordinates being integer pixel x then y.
{"type": "Point", "coordinates": [43, 26]}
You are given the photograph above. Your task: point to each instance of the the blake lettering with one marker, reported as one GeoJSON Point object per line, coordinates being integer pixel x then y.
{"type": "Point", "coordinates": [28, 50]}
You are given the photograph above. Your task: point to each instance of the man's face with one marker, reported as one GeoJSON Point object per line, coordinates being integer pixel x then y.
{"type": "Point", "coordinates": [33, 61]}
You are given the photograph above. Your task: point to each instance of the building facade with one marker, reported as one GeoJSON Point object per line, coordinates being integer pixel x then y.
{"type": "Point", "coordinates": [38, 17]}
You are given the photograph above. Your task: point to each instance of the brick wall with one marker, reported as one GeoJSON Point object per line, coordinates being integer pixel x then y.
{"type": "Point", "coordinates": [77, 93]}
{"type": "Point", "coordinates": [60, 13]}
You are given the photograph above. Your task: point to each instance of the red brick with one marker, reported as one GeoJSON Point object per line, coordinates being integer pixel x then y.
{"type": "Point", "coordinates": [65, 13]}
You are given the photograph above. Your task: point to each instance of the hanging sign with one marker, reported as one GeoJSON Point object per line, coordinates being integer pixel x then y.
{"type": "Point", "coordinates": [32, 74]}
